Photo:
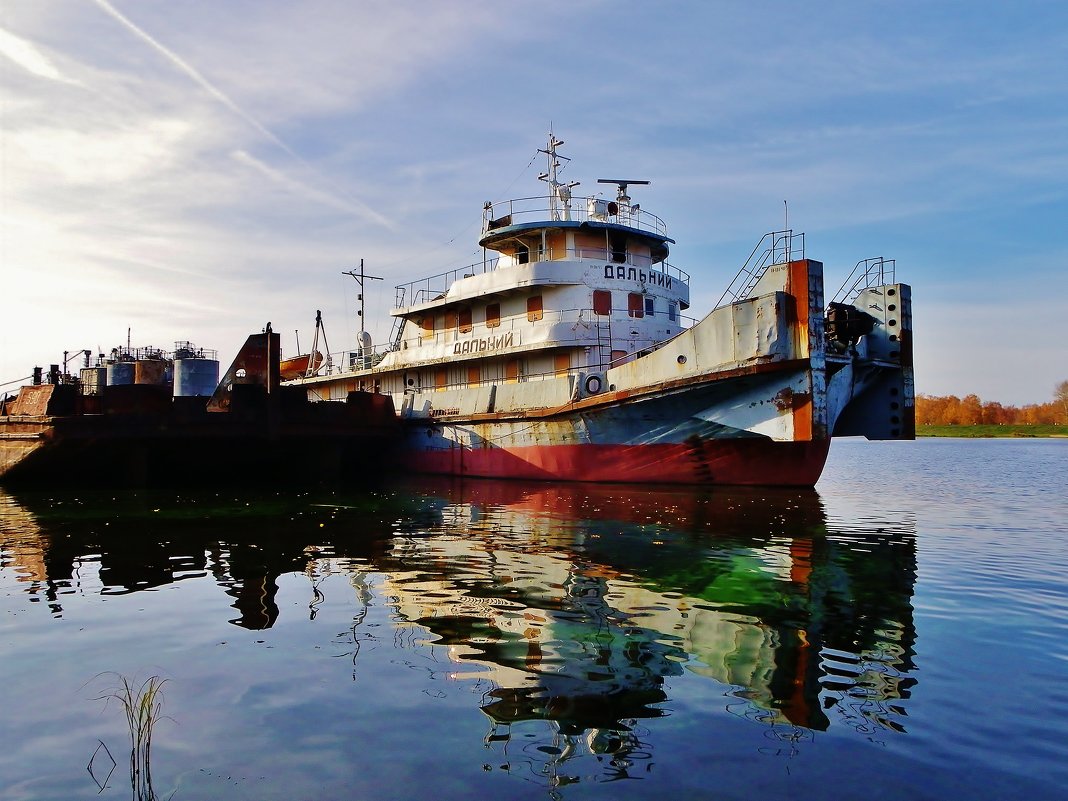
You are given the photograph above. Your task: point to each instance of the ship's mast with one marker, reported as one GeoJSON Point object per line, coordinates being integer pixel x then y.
{"type": "Point", "coordinates": [559, 193]}
{"type": "Point", "coordinates": [360, 277]}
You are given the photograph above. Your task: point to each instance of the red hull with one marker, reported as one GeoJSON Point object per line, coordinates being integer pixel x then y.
{"type": "Point", "coordinates": [719, 461]}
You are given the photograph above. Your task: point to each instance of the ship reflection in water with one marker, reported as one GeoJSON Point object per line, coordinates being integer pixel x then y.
{"type": "Point", "coordinates": [572, 607]}
{"type": "Point", "coordinates": [584, 601]}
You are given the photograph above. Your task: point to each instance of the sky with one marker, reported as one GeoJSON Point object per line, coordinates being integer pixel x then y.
{"type": "Point", "coordinates": [190, 171]}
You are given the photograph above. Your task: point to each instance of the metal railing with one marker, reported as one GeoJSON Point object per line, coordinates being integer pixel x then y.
{"type": "Point", "coordinates": [348, 361]}
{"type": "Point", "coordinates": [513, 322]}
{"type": "Point", "coordinates": [437, 286]}
{"type": "Point", "coordinates": [875, 271]}
{"type": "Point", "coordinates": [586, 209]}
{"type": "Point", "coordinates": [775, 247]}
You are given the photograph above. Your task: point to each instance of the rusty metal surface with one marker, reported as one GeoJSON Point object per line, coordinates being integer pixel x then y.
{"type": "Point", "coordinates": [256, 364]}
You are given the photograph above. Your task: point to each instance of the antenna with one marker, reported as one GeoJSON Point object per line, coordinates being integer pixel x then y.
{"type": "Point", "coordinates": [360, 277]}
{"type": "Point", "coordinates": [550, 177]}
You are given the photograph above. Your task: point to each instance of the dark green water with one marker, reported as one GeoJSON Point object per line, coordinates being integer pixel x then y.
{"type": "Point", "coordinates": [901, 632]}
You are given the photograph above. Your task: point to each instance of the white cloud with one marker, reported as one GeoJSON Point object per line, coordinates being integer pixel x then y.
{"type": "Point", "coordinates": [26, 55]}
{"type": "Point", "coordinates": [101, 155]}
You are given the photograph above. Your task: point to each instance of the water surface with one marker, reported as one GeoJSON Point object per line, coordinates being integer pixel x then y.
{"type": "Point", "coordinates": [900, 632]}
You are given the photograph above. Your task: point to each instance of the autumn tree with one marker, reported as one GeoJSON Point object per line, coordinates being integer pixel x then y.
{"type": "Point", "coordinates": [1060, 398]}
{"type": "Point", "coordinates": [971, 411]}
{"type": "Point", "coordinates": [949, 410]}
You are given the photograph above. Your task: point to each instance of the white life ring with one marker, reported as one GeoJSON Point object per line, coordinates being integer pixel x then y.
{"type": "Point", "coordinates": [593, 384]}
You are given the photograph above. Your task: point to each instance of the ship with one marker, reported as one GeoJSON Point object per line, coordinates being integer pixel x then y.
{"type": "Point", "coordinates": [566, 353]}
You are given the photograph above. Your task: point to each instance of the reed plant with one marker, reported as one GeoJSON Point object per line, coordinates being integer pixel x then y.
{"type": "Point", "coordinates": [142, 705]}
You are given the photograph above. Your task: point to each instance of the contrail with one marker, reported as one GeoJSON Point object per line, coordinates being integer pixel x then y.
{"type": "Point", "coordinates": [192, 72]}
{"type": "Point", "coordinates": [342, 204]}
{"type": "Point", "coordinates": [351, 205]}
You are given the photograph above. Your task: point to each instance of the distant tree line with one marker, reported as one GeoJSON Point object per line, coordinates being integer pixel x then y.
{"type": "Point", "coordinates": [949, 410]}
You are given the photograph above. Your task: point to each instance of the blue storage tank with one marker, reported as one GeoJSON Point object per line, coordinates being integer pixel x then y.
{"type": "Point", "coordinates": [193, 377]}
{"type": "Point", "coordinates": [120, 373]}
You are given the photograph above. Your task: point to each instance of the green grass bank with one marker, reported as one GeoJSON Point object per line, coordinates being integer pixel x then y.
{"type": "Point", "coordinates": [992, 431]}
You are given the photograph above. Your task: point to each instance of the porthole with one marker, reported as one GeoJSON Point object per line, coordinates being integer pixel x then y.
{"type": "Point", "coordinates": [895, 419]}
{"type": "Point", "coordinates": [891, 307]}
{"type": "Point", "coordinates": [893, 392]}
{"type": "Point", "coordinates": [894, 406]}
{"type": "Point", "coordinates": [891, 322]}
{"type": "Point", "coordinates": [894, 354]}
{"type": "Point", "coordinates": [681, 360]}
{"type": "Point", "coordinates": [891, 292]}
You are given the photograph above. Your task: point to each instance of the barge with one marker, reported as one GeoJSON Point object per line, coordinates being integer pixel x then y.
{"type": "Point", "coordinates": [153, 428]}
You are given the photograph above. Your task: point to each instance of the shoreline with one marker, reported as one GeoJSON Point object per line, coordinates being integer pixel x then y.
{"type": "Point", "coordinates": [994, 431]}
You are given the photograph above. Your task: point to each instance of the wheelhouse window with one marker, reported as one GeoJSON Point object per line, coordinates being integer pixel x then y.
{"type": "Point", "coordinates": [493, 315]}
{"type": "Point", "coordinates": [635, 304]}
{"type": "Point", "coordinates": [474, 377]}
{"type": "Point", "coordinates": [441, 379]}
{"type": "Point", "coordinates": [673, 311]}
{"type": "Point", "coordinates": [602, 301]}
{"type": "Point", "coordinates": [618, 244]}
{"type": "Point", "coordinates": [534, 309]}
{"type": "Point", "coordinates": [427, 326]}
{"type": "Point", "coordinates": [650, 305]}
{"type": "Point", "coordinates": [463, 320]}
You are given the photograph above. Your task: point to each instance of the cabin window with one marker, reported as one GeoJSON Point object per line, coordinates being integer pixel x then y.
{"type": "Point", "coordinates": [635, 304]}
{"type": "Point", "coordinates": [441, 378]}
{"type": "Point", "coordinates": [463, 321]}
{"type": "Point", "coordinates": [618, 243]}
{"type": "Point", "coordinates": [474, 377]}
{"type": "Point", "coordinates": [602, 301]}
{"type": "Point", "coordinates": [673, 311]}
{"type": "Point", "coordinates": [650, 305]}
{"type": "Point", "coordinates": [562, 363]}
{"type": "Point", "coordinates": [534, 309]}
{"type": "Point", "coordinates": [493, 315]}
{"type": "Point", "coordinates": [522, 253]}
{"type": "Point", "coordinates": [512, 371]}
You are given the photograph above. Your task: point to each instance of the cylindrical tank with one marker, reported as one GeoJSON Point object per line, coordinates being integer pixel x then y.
{"type": "Point", "coordinates": [150, 371]}
{"type": "Point", "coordinates": [194, 377]}
{"type": "Point", "coordinates": [93, 380]}
{"type": "Point", "coordinates": [120, 373]}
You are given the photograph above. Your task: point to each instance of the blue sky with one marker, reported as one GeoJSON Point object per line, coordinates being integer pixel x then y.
{"type": "Point", "coordinates": [191, 170]}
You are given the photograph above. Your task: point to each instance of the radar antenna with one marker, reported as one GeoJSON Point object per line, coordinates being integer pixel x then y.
{"type": "Point", "coordinates": [621, 194]}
